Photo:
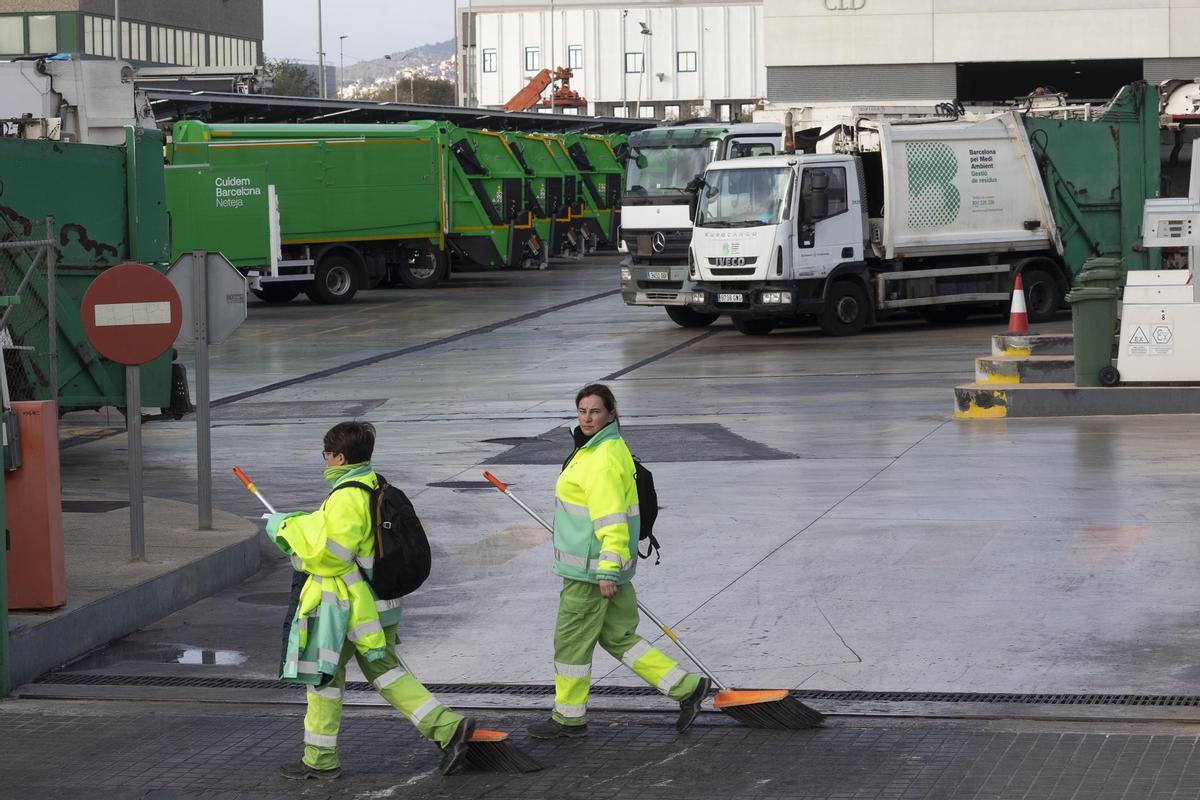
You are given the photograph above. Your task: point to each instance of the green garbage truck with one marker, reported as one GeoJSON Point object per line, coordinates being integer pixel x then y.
{"type": "Point", "coordinates": [108, 208]}
{"type": "Point", "coordinates": [331, 209]}
{"type": "Point", "coordinates": [546, 189]}
{"type": "Point", "coordinates": [601, 176]}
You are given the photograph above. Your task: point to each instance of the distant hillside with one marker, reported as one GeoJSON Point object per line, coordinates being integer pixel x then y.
{"type": "Point", "coordinates": [428, 61]}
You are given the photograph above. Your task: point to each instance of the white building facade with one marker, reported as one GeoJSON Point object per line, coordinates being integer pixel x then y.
{"type": "Point", "coordinates": [656, 59]}
{"type": "Point", "coordinates": [984, 50]}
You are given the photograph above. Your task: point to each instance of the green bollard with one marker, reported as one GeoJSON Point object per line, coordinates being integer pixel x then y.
{"type": "Point", "coordinates": [1093, 323]}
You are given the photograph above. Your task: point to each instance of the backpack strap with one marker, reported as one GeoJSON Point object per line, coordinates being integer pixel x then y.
{"type": "Point", "coordinates": [373, 508]}
{"type": "Point", "coordinates": [651, 547]}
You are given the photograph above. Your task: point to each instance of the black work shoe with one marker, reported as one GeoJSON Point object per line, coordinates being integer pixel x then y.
{"type": "Point", "coordinates": [454, 754]}
{"type": "Point", "coordinates": [299, 771]}
{"type": "Point", "coordinates": [552, 729]}
{"type": "Point", "coordinates": [690, 706]}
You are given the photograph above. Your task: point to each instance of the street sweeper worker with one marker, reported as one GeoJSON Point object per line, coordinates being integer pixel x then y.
{"type": "Point", "coordinates": [595, 551]}
{"type": "Point", "coordinates": [339, 616]}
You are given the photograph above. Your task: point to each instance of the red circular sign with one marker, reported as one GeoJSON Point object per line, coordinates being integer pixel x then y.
{"type": "Point", "coordinates": [131, 314]}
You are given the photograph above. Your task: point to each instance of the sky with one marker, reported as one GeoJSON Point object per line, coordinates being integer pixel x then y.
{"type": "Point", "coordinates": [374, 27]}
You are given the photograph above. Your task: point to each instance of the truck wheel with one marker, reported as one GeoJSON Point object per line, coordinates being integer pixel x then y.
{"type": "Point", "coordinates": [277, 292]}
{"type": "Point", "coordinates": [753, 327]}
{"type": "Point", "coordinates": [684, 317]}
{"type": "Point", "coordinates": [1043, 297]}
{"type": "Point", "coordinates": [845, 311]}
{"type": "Point", "coordinates": [1109, 376]}
{"type": "Point", "coordinates": [423, 267]}
{"type": "Point", "coordinates": [336, 281]}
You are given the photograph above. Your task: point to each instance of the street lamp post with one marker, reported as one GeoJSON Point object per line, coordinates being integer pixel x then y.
{"type": "Point", "coordinates": [324, 94]}
{"type": "Point", "coordinates": [641, 72]}
{"type": "Point", "coordinates": [341, 62]}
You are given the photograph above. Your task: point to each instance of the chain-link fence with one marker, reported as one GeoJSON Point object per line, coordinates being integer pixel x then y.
{"type": "Point", "coordinates": [28, 314]}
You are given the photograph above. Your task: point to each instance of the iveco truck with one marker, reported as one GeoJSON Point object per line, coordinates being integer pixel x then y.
{"type": "Point", "coordinates": [931, 216]}
{"type": "Point", "coordinates": [656, 226]}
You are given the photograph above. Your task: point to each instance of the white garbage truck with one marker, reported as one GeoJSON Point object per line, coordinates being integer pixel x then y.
{"type": "Point", "coordinates": [656, 226]}
{"type": "Point", "coordinates": [926, 215]}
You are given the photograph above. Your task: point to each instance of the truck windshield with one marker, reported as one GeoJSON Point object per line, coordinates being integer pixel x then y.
{"type": "Point", "coordinates": [657, 174]}
{"type": "Point", "coordinates": [742, 198]}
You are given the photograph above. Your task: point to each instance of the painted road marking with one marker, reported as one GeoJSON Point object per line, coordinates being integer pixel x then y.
{"type": "Point", "coordinates": [112, 314]}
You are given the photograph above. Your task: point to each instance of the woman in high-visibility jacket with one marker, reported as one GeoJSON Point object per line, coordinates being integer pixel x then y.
{"type": "Point", "coordinates": [596, 524]}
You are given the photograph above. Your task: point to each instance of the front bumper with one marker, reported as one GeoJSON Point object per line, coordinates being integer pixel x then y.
{"type": "Point", "coordinates": [655, 285]}
{"type": "Point", "coordinates": [752, 299]}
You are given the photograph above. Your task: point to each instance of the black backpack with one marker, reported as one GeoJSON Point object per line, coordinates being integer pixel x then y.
{"type": "Point", "coordinates": [648, 505]}
{"type": "Point", "coordinates": [402, 558]}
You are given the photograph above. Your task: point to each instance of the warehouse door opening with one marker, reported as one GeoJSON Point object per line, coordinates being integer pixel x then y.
{"type": "Point", "coordinates": [988, 82]}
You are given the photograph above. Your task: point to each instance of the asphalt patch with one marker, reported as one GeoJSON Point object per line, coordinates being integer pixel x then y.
{"type": "Point", "coordinates": [654, 444]}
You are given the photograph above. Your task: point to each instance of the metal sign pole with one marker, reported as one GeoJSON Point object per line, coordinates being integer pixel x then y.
{"type": "Point", "coordinates": [203, 422]}
{"type": "Point", "coordinates": [133, 422]}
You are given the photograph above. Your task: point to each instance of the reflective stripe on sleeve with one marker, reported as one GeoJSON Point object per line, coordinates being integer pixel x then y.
{"type": "Point", "coordinates": [306, 668]}
{"type": "Point", "coordinates": [352, 577]}
{"type": "Point", "coordinates": [333, 599]}
{"type": "Point", "coordinates": [365, 629]}
{"type": "Point", "coordinates": [387, 605]}
{"type": "Point", "coordinates": [570, 559]}
{"type": "Point", "coordinates": [610, 519]}
{"type": "Point", "coordinates": [635, 510]}
{"type": "Point", "coordinates": [573, 509]}
{"type": "Point", "coordinates": [424, 710]}
{"type": "Point", "coordinates": [388, 678]}
{"type": "Point", "coordinates": [319, 739]}
{"type": "Point", "coordinates": [670, 679]}
{"type": "Point", "coordinates": [366, 562]}
{"type": "Point", "coordinates": [609, 555]}
{"type": "Point", "coordinates": [631, 655]}
{"type": "Point", "coordinates": [570, 712]}
{"type": "Point", "coordinates": [339, 552]}
{"type": "Point", "coordinates": [329, 692]}
{"type": "Point", "coordinates": [325, 654]}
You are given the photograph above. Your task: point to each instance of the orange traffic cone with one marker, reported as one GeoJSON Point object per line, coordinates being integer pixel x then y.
{"type": "Point", "coordinates": [1018, 320]}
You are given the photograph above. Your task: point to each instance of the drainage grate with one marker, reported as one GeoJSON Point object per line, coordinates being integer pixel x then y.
{"type": "Point", "coordinates": [546, 690]}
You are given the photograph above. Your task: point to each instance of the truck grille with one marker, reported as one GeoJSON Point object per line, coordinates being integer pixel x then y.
{"type": "Point", "coordinates": [676, 285]}
{"type": "Point", "coordinates": [674, 246]}
{"type": "Point", "coordinates": [731, 271]}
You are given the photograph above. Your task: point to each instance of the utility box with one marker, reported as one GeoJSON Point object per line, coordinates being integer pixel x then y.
{"type": "Point", "coordinates": [37, 573]}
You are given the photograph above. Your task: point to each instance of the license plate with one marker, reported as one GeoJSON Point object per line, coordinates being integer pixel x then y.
{"type": "Point", "coordinates": [658, 275]}
{"type": "Point", "coordinates": [731, 297]}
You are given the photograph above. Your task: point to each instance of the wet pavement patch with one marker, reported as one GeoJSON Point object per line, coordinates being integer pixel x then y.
{"type": "Point", "coordinates": [703, 441]}
{"type": "Point", "coordinates": [295, 409]}
{"type": "Point", "coordinates": [131, 652]}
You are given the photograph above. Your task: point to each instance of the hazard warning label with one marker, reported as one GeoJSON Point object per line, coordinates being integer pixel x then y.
{"type": "Point", "coordinates": [1151, 340]}
{"type": "Point", "coordinates": [1139, 342]}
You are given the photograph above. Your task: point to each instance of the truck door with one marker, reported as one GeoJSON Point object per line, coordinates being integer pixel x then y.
{"type": "Point", "coordinates": [827, 234]}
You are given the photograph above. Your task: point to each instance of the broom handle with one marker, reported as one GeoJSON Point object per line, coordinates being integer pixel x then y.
{"type": "Point", "coordinates": [492, 479]}
{"type": "Point", "coordinates": [249, 484]}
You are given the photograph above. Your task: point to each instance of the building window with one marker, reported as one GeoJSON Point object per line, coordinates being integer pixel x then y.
{"type": "Point", "coordinates": [533, 58]}
{"type": "Point", "coordinates": [723, 112]}
{"type": "Point", "coordinates": [685, 61]}
{"type": "Point", "coordinates": [646, 112]}
{"type": "Point", "coordinates": [620, 111]}
{"type": "Point", "coordinates": [12, 35]}
{"type": "Point", "coordinates": [489, 60]}
{"type": "Point", "coordinates": [671, 112]}
{"type": "Point", "coordinates": [43, 33]}
{"type": "Point", "coordinates": [634, 63]}
{"type": "Point", "coordinates": [747, 114]}
{"type": "Point", "coordinates": [575, 56]}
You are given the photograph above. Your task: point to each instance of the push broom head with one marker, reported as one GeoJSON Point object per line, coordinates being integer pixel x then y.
{"type": "Point", "coordinates": [492, 751]}
{"type": "Point", "coordinates": [774, 709]}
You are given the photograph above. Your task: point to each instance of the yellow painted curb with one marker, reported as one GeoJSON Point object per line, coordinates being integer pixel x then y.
{"type": "Point", "coordinates": [997, 410]}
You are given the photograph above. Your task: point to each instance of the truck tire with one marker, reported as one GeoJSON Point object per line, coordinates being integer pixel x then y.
{"type": "Point", "coordinates": [277, 292]}
{"type": "Point", "coordinates": [1043, 296]}
{"type": "Point", "coordinates": [423, 267]}
{"type": "Point", "coordinates": [753, 327]}
{"type": "Point", "coordinates": [337, 280]}
{"type": "Point", "coordinates": [684, 317]}
{"type": "Point", "coordinates": [845, 311]}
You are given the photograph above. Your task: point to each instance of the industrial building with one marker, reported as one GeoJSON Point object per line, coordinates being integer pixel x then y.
{"type": "Point", "coordinates": [190, 33]}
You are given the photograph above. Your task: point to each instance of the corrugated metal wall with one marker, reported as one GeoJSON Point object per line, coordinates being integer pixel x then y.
{"type": "Point", "coordinates": [1161, 69]}
{"type": "Point", "coordinates": [861, 82]}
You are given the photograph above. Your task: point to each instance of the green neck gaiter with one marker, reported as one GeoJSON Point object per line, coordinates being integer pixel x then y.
{"type": "Point", "coordinates": [334, 474]}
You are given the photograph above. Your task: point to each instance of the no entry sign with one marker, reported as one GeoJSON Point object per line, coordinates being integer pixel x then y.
{"type": "Point", "coordinates": [131, 314]}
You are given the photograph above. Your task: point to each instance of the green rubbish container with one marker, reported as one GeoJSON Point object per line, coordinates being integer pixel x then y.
{"type": "Point", "coordinates": [1102, 272]}
{"type": "Point", "coordinates": [1093, 323]}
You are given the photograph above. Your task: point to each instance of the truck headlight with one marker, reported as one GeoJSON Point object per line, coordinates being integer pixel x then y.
{"type": "Point", "coordinates": [698, 298]}
{"type": "Point", "coordinates": [775, 298]}
{"type": "Point", "coordinates": [626, 275]}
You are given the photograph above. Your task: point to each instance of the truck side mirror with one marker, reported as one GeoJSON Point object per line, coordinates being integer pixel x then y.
{"type": "Point", "coordinates": [641, 161]}
{"type": "Point", "coordinates": [693, 205]}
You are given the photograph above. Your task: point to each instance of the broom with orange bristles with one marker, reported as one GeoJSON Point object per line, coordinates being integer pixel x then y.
{"type": "Point", "coordinates": [776, 709]}
{"type": "Point", "coordinates": [488, 750]}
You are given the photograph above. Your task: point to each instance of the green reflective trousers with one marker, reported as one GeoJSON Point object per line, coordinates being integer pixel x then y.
{"type": "Point", "coordinates": [585, 618]}
{"type": "Point", "coordinates": [435, 721]}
